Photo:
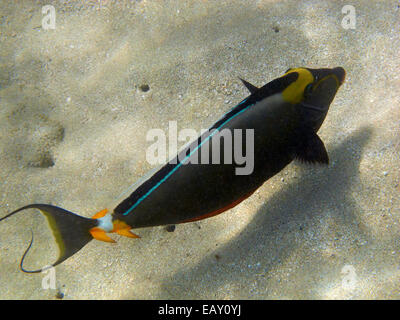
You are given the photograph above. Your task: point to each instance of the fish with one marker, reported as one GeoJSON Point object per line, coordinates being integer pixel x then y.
{"type": "Point", "coordinates": [284, 117]}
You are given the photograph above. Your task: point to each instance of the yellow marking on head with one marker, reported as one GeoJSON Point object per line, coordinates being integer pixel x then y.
{"type": "Point", "coordinates": [326, 78]}
{"type": "Point", "coordinates": [294, 93]}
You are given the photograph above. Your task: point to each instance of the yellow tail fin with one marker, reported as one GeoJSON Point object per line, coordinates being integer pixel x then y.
{"type": "Point", "coordinates": [70, 230]}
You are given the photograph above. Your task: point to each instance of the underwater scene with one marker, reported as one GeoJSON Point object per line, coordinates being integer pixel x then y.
{"type": "Point", "coordinates": [211, 149]}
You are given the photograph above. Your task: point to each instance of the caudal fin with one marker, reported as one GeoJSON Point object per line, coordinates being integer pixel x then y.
{"type": "Point", "coordinates": [70, 231]}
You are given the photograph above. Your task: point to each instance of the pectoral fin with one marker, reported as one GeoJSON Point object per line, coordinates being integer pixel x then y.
{"type": "Point", "coordinates": [311, 149]}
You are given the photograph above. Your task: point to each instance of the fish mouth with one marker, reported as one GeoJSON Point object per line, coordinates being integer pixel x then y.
{"type": "Point", "coordinates": [340, 73]}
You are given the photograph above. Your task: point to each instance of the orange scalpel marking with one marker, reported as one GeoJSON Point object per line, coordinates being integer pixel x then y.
{"type": "Point", "coordinates": [100, 214]}
{"type": "Point", "coordinates": [100, 234]}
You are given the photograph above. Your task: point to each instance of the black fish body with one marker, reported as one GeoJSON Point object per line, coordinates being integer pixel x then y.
{"type": "Point", "coordinates": [281, 118]}
{"type": "Point", "coordinates": [196, 190]}
{"type": "Point", "coordinates": [282, 131]}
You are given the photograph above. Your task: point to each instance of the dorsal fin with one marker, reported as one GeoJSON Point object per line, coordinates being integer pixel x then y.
{"type": "Point", "coordinates": [249, 86]}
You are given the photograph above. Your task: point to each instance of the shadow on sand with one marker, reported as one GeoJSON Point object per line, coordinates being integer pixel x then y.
{"type": "Point", "coordinates": [282, 225]}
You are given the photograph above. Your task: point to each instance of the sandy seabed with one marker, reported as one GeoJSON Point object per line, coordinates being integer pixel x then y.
{"type": "Point", "coordinates": [73, 124]}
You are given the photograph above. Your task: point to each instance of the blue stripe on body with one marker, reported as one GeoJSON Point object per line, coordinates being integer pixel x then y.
{"type": "Point", "coordinates": [188, 156]}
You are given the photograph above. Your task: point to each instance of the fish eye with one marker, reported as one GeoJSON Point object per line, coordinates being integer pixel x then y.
{"type": "Point", "coordinates": [308, 90]}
